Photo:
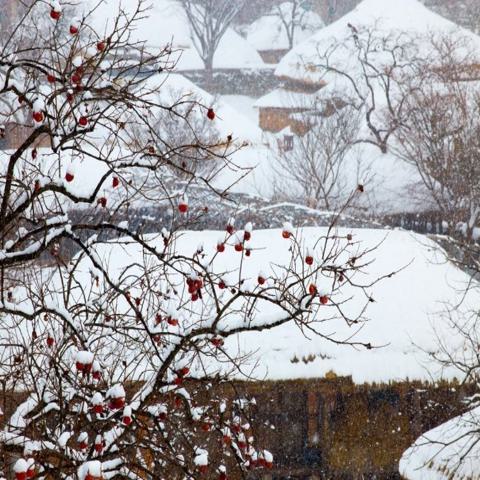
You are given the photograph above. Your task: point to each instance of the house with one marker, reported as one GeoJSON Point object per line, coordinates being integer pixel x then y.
{"type": "Point", "coordinates": [301, 69]}
{"type": "Point", "coordinates": [387, 18]}
{"type": "Point", "coordinates": [167, 24]}
{"type": "Point", "coordinates": [323, 408]}
{"type": "Point", "coordinates": [281, 109]}
{"type": "Point", "coordinates": [283, 27]}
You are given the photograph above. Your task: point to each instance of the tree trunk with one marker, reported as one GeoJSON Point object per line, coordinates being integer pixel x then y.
{"type": "Point", "coordinates": [209, 72]}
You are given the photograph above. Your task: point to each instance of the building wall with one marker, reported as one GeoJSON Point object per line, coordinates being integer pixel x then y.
{"type": "Point", "coordinates": [331, 428]}
{"type": "Point", "coordinates": [15, 135]}
{"type": "Point", "coordinates": [277, 119]}
{"type": "Point", "coordinates": [334, 429]}
{"type": "Point", "coordinates": [272, 56]}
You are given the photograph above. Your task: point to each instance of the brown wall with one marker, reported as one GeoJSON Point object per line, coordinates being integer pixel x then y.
{"type": "Point", "coordinates": [276, 119]}
{"type": "Point", "coordinates": [15, 135]}
{"type": "Point", "coordinates": [272, 56]}
{"type": "Point", "coordinates": [337, 430]}
{"type": "Point", "coordinates": [334, 429]}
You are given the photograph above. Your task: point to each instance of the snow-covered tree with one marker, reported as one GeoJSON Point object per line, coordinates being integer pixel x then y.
{"type": "Point", "coordinates": [119, 353]}
{"type": "Point", "coordinates": [296, 18]}
{"type": "Point", "coordinates": [440, 137]}
{"type": "Point", "coordinates": [209, 21]}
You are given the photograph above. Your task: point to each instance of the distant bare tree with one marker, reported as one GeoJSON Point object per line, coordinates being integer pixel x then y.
{"type": "Point", "coordinates": [442, 140]}
{"type": "Point", "coordinates": [292, 15]}
{"type": "Point", "coordinates": [315, 165]}
{"type": "Point", "coordinates": [209, 20]}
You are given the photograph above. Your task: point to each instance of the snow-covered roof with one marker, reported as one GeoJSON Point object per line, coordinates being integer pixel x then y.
{"type": "Point", "coordinates": [401, 320]}
{"type": "Point", "coordinates": [450, 451]}
{"type": "Point", "coordinates": [269, 33]}
{"type": "Point", "coordinates": [388, 17]}
{"type": "Point", "coordinates": [228, 121]}
{"type": "Point", "coordinates": [282, 98]}
{"type": "Point", "coordinates": [165, 23]}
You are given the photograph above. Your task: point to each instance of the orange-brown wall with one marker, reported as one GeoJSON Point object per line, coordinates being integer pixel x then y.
{"type": "Point", "coordinates": [276, 119]}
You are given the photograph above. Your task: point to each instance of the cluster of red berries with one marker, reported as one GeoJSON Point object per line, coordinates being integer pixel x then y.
{"type": "Point", "coordinates": [195, 285]}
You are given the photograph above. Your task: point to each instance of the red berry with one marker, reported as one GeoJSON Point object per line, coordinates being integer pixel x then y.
{"type": "Point", "coordinates": [194, 297]}
{"type": "Point", "coordinates": [76, 79]}
{"type": "Point", "coordinates": [101, 46]}
{"type": "Point", "coordinates": [222, 285]}
{"type": "Point", "coordinates": [73, 29]}
{"type": "Point", "coordinates": [286, 234]}
{"type": "Point", "coordinates": [55, 14]}
{"type": "Point", "coordinates": [312, 289]}
{"type": "Point", "coordinates": [83, 121]}
{"type": "Point", "coordinates": [97, 409]}
{"type": "Point", "coordinates": [211, 114]}
{"type": "Point", "coordinates": [172, 321]}
{"type": "Point", "coordinates": [50, 341]}
{"type": "Point", "coordinates": [230, 229]}
{"type": "Point", "coordinates": [98, 447]}
{"type": "Point", "coordinates": [206, 427]}
{"type": "Point", "coordinates": [102, 201]}
{"type": "Point", "coordinates": [324, 299]}
{"type": "Point", "coordinates": [238, 247]}
{"type": "Point", "coordinates": [117, 403]}
{"type": "Point", "coordinates": [261, 280]}
{"type": "Point", "coordinates": [69, 177]}
{"type": "Point", "coordinates": [162, 416]}
{"type": "Point", "coordinates": [38, 116]}
{"type": "Point", "coordinates": [182, 207]}
{"type": "Point", "coordinates": [217, 341]}
{"type": "Point", "coordinates": [309, 260]}
{"type": "Point", "coordinates": [127, 420]}
{"type": "Point", "coordinates": [248, 252]}
{"type": "Point", "coordinates": [115, 182]}
{"type": "Point", "coordinates": [34, 153]}
{"type": "Point", "coordinates": [220, 247]}
{"type": "Point", "coordinates": [51, 78]}
{"type": "Point", "coordinates": [247, 236]}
